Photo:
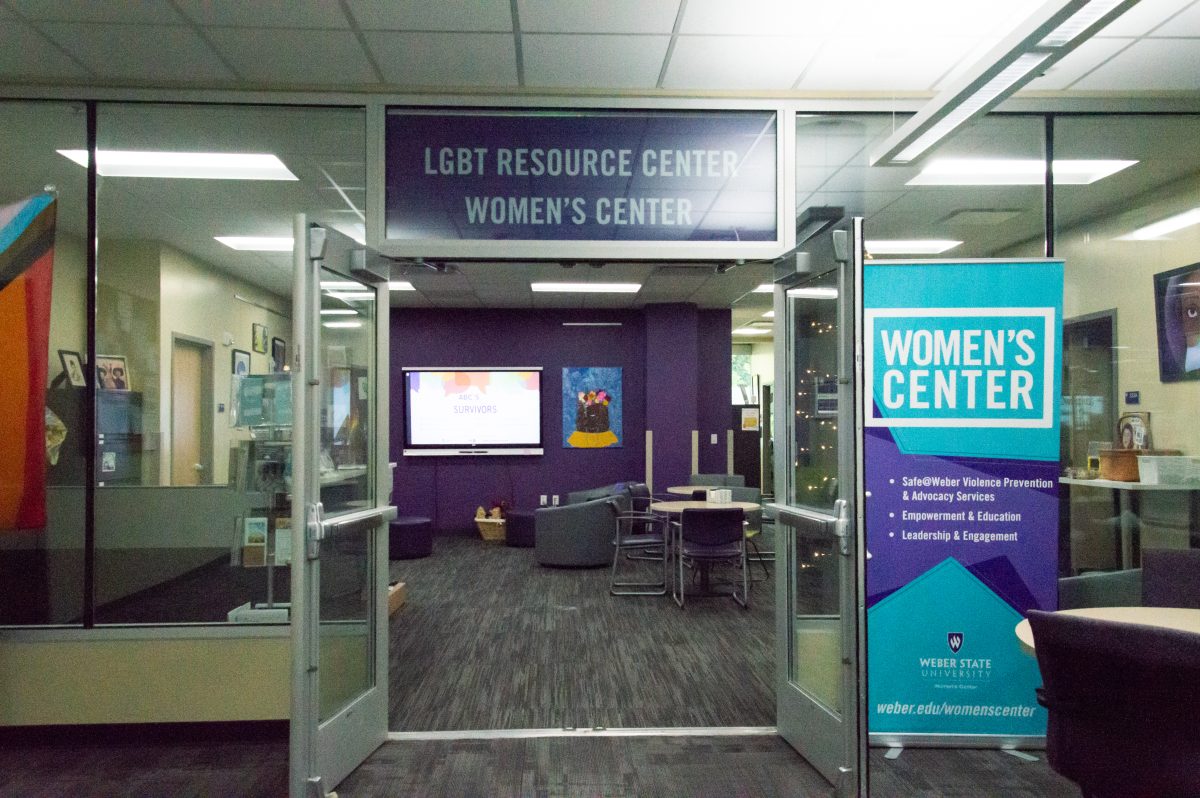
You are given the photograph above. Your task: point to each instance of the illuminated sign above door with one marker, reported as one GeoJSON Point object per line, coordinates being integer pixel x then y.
{"type": "Point", "coordinates": [606, 178]}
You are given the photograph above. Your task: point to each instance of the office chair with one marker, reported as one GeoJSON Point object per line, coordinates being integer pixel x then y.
{"type": "Point", "coordinates": [1124, 705]}
{"type": "Point", "coordinates": [706, 537]}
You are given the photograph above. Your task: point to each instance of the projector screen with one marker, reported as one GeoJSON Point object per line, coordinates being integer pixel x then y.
{"type": "Point", "coordinates": [472, 411]}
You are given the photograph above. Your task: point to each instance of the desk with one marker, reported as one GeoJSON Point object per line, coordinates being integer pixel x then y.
{"type": "Point", "coordinates": [1185, 620]}
{"type": "Point", "coordinates": [1127, 509]}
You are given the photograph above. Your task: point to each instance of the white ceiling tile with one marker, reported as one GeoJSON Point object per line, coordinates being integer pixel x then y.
{"type": "Point", "coordinates": [1185, 24]}
{"type": "Point", "coordinates": [1143, 17]}
{"type": "Point", "coordinates": [566, 60]}
{"type": "Point", "coordinates": [139, 53]}
{"type": "Point", "coordinates": [901, 65]}
{"type": "Point", "coordinates": [737, 62]}
{"type": "Point", "coordinates": [445, 59]}
{"type": "Point", "coordinates": [611, 16]}
{"type": "Point", "coordinates": [460, 15]}
{"type": "Point", "coordinates": [1077, 63]}
{"type": "Point", "coordinates": [762, 17]}
{"type": "Point", "coordinates": [265, 13]}
{"type": "Point", "coordinates": [142, 12]}
{"type": "Point", "coordinates": [25, 53]}
{"type": "Point", "coordinates": [295, 57]}
{"type": "Point", "coordinates": [1150, 65]}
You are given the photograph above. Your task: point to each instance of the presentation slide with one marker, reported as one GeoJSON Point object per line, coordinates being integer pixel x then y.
{"type": "Point", "coordinates": [474, 408]}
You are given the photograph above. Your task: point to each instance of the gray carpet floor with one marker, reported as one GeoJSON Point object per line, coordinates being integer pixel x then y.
{"type": "Point", "coordinates": [489, 639]}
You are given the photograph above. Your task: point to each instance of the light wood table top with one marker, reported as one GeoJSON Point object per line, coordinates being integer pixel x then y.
{"type": "Point", "coordinates": [1185, 620]}
{"type": "Point", "coordinates": [680, 506]}
{"type": "Point", "coordinates": [686, 490]}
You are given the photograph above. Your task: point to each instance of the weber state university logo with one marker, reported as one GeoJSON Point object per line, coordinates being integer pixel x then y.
{"type": "Point", "coordinates": [954, 640]}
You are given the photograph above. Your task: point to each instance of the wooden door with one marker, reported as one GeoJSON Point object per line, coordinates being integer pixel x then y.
{"type": "Point", "coordinates": [190, 459]}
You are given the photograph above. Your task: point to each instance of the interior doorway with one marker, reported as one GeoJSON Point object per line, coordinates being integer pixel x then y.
{"type": "Point", "coordinates": [191, 411]}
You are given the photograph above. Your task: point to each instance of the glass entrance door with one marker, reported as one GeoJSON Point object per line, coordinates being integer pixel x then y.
{"type": "Point", "coordinates": [818, 535]}
{"type": "Point", "coordinates": [340, 485]}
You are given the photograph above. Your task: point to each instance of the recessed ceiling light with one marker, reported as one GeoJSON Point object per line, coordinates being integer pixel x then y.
{"type": "Point", "coordinates": [257, 243]}
{"type": "Point", "coordinates": [195, 165]}
{"type": "Point", "coordinates": [910, 247]}
{"type": "Point", "coordinates": [814, 292]}
{"type": "Point", "coordinates": [586, 288]}
{"type": "Point", "coordinates": [400, 285]}
{"type": "Point", "coordinates": [339, 312]}
{"type": "Point", "coordinates": [1164, 227]}
{"type": "Point", "coordinates": [1014, 172]}
{"type": "Point", "coordinates": [348, 325]}
{"type": "Point", "coordinates": [770, 314]}
{"type": "Point", "coordinates": [752, 331]}
{"type": "Point", "coordinates": [765, 288]}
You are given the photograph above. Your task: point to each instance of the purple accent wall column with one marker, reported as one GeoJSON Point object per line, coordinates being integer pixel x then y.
{"type": "Point", "coordinates": [672, 385]}
{"type": "Point", "coordinates": [714, 389]}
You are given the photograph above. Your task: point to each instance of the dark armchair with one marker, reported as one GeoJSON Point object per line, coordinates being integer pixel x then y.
{"type": "Point", "coordinates": [1124, 705]}
{"type": "Point", "coordinates": [578, 534]}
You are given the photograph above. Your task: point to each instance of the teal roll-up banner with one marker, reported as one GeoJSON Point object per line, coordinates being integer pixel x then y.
{"type": "Point", "coordinates": [961, 458]}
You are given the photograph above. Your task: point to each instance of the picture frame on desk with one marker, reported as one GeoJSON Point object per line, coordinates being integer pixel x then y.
{"type": "Point", "coordinates": [72, 365]}
{"type": "Point", "coordinates": [1133, 431]}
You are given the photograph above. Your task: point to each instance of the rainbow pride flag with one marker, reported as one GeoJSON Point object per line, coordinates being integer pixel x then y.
{"type": "Point", "coordinates": [26, 273]}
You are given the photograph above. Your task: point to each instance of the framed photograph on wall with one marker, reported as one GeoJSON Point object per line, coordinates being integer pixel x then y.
{"type": "Point", "coordinates": [72, 365]}
{"type": "Point", "coordinates": [278, 355]}
{"type": "Point", "coordinates": [258, 335]}
{"type": "Point", "coordinates": [240, 364]}
{"type": "Point", "coordinates": [111, 373]}
{"type": "Point", "coordinates": [1177, 313]}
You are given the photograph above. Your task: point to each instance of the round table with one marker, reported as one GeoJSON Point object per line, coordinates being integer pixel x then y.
{"type": "Point", "coordinates": [693, 504]}
{"type": "Point", "coordinates": [1185, 620]}
{"type": "Point", "coordinates": [688, 490]}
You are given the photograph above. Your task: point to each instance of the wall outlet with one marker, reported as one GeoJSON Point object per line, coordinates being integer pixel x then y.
{"type": "Point", "coordinates": [712, 438]}
{"type": "Point", "coordinates": [542, 500]}
{"type": "Point", "coordinates": [554, 500]}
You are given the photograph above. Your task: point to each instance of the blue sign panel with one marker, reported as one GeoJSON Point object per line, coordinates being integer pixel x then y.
{"type": "Point", "coordinates": [961, 472]}
{"type": "Point", "coordinates": [602, 176]}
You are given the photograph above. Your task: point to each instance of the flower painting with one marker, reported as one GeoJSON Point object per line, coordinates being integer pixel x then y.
{"type": "Point", "coordinates": [591, 411]}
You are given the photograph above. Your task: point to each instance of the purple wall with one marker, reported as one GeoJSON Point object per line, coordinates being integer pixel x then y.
{"type": "Point", "coordinates": [655, 373]}
{"type": "Point", "coordinates": [714, 369]}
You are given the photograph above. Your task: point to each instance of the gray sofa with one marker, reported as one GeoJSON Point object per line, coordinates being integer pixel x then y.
{"type": "Point", "coordinates": [722, 480]}
{"type": "Point", "coordinates": [576, 534]}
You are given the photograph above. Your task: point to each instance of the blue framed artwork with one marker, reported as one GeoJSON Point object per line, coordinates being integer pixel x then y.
{"type": "Point", "coordinates": [591, 409]}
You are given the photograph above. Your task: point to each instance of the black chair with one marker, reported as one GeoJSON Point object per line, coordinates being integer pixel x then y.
{"type": "Point", "coordinates": [1171, 578]}
{"type": "Point", "coordinates": [754, 526]}
{"type": "Point", "coordinates": [705, 537]}
{"type": "Point", "coordinates": [1124, 705]}
{"type": "Point", "coordinates": [641, 535]}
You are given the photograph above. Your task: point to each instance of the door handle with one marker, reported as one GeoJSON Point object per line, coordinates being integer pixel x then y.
{"type": "Point", "coordinates": [841, 527]}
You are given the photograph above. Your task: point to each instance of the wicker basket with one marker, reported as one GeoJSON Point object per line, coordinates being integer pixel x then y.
{"type": "Point", "coordinates": [1119, 465]}
{"type": "Point", "coordinates": [490, 529]}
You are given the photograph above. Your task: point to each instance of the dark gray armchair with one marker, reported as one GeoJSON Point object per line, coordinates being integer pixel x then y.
{"type": "Point", "coordinates": [578, 534]}
{"type": "Point", "coordinates": [718, 480]}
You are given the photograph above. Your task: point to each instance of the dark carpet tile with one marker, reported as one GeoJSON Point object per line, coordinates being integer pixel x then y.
{"type": "Point", "coordinates": [490, 639]}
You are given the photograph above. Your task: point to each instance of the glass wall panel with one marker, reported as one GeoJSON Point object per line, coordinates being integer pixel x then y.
{"type": "Point", "coordinates": [42, 473]}
{"type": "Point", "coordinates": [1131, 242]}
{"type": "Point", "coordinates": [196, 330]}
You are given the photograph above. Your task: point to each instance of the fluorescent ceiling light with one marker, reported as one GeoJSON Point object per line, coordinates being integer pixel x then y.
{"type": "Point", "coordinates": [752, 331]}
{"type": "Point", "coordinates": [1165, 227]}
{"type": "Point", "coordinates": [339, 312]}
{"type": "Point", "coordinates": [196, 165]}
{"type": "Point", "coordinates": [591, 324]}
{"type": "Point", "coordinates": [257, 243]}
{"type": "Point", "coordinates": [914, 246]}
{"type": "Point", "coordinates": [1049, 33]}
{"type": "Point", "coordinates": [341, 285]}
{"type": "Point", "coordinates": [770, 314]}
{"type": "Point", "coordinates": [347, 325]}
{"type": "Point", "coordinates": [1014, 172]}
{"type": "Point", "coordinates": [814, 292]}
{"type": "Point", "coordinates": [765, 288]}
{"type": "Point", "coordinates": [586, 288]}
{"type": "Point", "coordinates": [351, 296]}
{"type": "Point", "coordinates": [400, 285]}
